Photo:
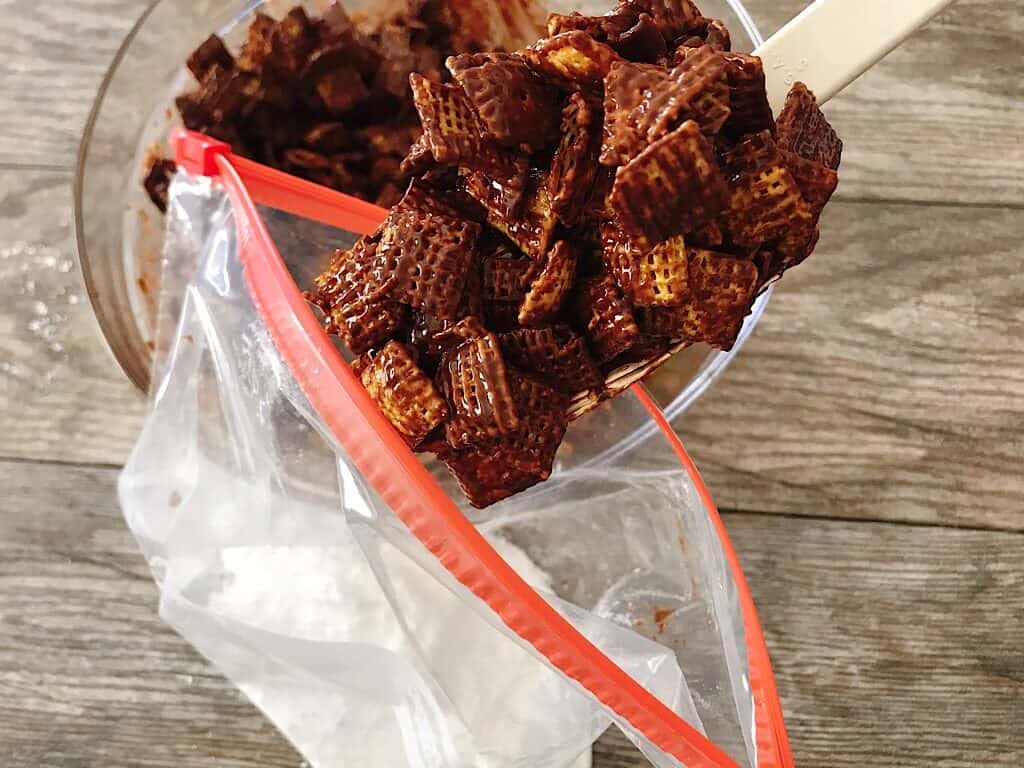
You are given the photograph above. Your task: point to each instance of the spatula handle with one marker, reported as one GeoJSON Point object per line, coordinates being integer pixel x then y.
{"type": "Point", "coordinates": [832, 42]}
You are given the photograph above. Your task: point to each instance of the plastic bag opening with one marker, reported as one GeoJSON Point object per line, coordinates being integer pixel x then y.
{"type": "Point", "coordinates": [262, 512]}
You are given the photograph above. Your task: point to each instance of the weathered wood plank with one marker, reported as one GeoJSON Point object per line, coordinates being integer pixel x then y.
{"type": "Point", "coordinates": [58, 54]}
{"type": "Point", "coordinates": [894, 645]}
{"type": "Point", "coordinates": [885, 381]}
{"type": "Point", "coordinates": [62, 396]}
{"type": "Point", "coordinates": [89, 675]}
{"type": "Point", "coordinates": [882, 383]}
{"type": "Point", "coordinates": [942, 119]}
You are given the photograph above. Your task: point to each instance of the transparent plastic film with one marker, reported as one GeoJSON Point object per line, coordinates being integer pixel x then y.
{"type": "Point", "coordinates": [345, 587]}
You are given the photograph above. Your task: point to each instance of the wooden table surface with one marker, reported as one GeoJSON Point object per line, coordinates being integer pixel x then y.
{"type": "Point", "coordinates": [866, 446]}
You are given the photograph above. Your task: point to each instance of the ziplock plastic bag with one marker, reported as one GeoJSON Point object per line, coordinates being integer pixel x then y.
{"type": "Point", "coordinates": [346, 588]}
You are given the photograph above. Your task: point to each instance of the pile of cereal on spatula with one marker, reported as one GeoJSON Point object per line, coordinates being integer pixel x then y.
{"type": "Point", "coordinates": [580, 210]}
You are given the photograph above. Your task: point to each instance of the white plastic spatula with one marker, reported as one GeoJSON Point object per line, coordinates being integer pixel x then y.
{"type": "Point", "coordinates": [832, 42]}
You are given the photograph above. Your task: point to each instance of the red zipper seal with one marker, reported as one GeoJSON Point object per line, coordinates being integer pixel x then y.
{"type": "Point", "coordinates": [394, 472]}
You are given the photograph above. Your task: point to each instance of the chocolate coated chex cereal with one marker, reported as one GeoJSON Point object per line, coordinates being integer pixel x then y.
{"type": "Point", "coordinates": [722, 291]}
{"type": "Point", "coordinates": [212, 51]}
{"type": "Point", "coordinates": [748, 101]}
{"type": "Point", "coordinates": [450, 124]}
{"type": "Point", "coordinates": [572, 58]}
{"type": "Point", "coordinates": [506, 274]}
{"type": "Point", "coordinates": [475, 382]}
{"type": "Point", "coordinates": [534, 227]}
{"type": "Point", "coordinates": [644, 41]}
{"type": "Point", "coordinates": [487, 474]}
{"type": "Point", "coordinates": [305, 159]}
{"type": "Point", "coordinates": [721, 279]}
{"type": "Point", "coordinates": [718, 327]}
{"type": "Point", "coordinates": [605, 317]}
{"type": "Point", "coordinates": [703, 87]}
{"type": "Point", "coordinates": [361, 258]}
{"type": "Point", "coordinates": [709, 236]}
{"type": "Point", "coordinates": [341, 90]}
{"type": "Point", "coordinates": [556, 354]}
{"type": "Point", "coordinates": [501, 194]}
{"type": "Point", "coordinates": [491, 472]}
{"type": "Point", "coordinates": [597, 208]}
{"type": "Point", "coordinates": [627, 29]}
{"type": "Point", "coordinates": [405, 54]}
{"type": "Point", "coordinates": [353, 294]}
{"type": "Point", "coordinates": [327, 138]}
{"type": "Point", "coordinates": [628, 89]}
{"type": "Point", "coordinates": [644, 102]}
{"type": "Point", "coordinates": [225, 93]}
{"type": "Point", "coordinates": [764, 200]}
{"type": "Point", "coordinates": [675, 18]}
{"type": "Point", "coordinates": [473, 293]}
{"type": "Point", "coordinates": [574, 166]}
{"type": "Point", "coordinates": [514, 104]}
{"type": "Point", "coordinates": [292, 41]}
{"type": "Point", "coordinates": [457, 66]}
{"type": "Point", "coordinates": [257, 47]}
{"type": "Point", "coordinates": [404, 393]}
{"type": "Point", "coordinates": [817, 182]}
{"type": "Point", "coordinates": [500, 467]}
{"type": "Point", "coordinates": [430, 254]}
{"type": "Point", "coordinates": [550, 288]}
{"type": "Point", "coordinates": [420, 158]}
{"type": "Point", "coordinates": [673, 187]}
{"type": "Point", "coordinates": [658, 277]}
{"type": "Point", "coordinates": [332, 55]}
{"type": "Point", "coordinates": [666, 240]}
{"type": "Point", "coordinates": [716, 34]}
{"type": "Point", "coordinates": [796, 247]}
{"type": "Point", "coordinates": [533, 397]}
{"type": "Point", "coordinates": [784, 254]}
{"type": "Point", "coordinates": [664, 322]}
{"type": "Point", "coordinates": [424, 197]}
{"type": "Point", "coordinates": [559, 23]}
{"type": "Point", "coordinates": [505, 278]}
{"type": "Point", "coordinates": [802, 128]}
{"type": "Point", "coordinates": [605, 29]}
{"type": "Point", "coordinates": [435, 338]}
{"type": "Point", "coordinates": [618, 255]}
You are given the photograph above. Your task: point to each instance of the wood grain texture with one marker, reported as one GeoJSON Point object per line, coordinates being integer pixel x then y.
{"type": "Point", "coordinates": [911, 633]}
{"type": "Point", "coordinates": [893, 645]}
{"type": "Point", "coordinates": [58, 53]}
{"type": "Point", "coordinates": [942, 119]}
{"type": "Point", "coordinates": [89, 675]}
{"type": "Point", "coordinates": [62, 396]}
{"type": "Point", "coordinates": [883, 383]}
{"type": "Point", "coordinates": [886, 380]}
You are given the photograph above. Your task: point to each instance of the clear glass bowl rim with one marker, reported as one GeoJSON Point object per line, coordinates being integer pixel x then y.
{"type": "Point", "coordinates": [712, 368]}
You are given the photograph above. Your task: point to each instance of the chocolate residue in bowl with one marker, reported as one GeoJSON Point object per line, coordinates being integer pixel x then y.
{"type": "Point", "coordinates": [327, 98]}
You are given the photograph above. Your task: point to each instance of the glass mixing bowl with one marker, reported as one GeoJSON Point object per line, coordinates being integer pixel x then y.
{"type": "Point", "coordinates": [120, 233]}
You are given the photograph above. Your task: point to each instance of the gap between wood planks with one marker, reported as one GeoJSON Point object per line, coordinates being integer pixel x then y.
{"type": "Point", "coordinates": [42, 167]}
{"type": "Point", "coordinates": [727, 513]}
{"type": "Point", "coordinates": [880, 520]}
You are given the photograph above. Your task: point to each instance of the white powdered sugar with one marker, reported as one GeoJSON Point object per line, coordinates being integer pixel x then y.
{"type": "Point", "coordinates": [445, 689]}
